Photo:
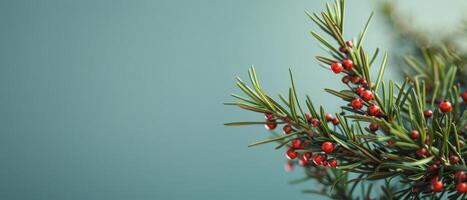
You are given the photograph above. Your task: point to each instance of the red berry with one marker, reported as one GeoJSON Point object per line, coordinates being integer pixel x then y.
{"type": "Point", "coordinates": [373, 110]}
{"type": "Point", "coordinates": [357, 104]}
{"type": "Point", "coordinates": [360, 90]}
{"type": "Point", "coordinates": [348, 64]}
{"type": "Point", "coordinates": [414, 134]}
{"type": "Point", "coordinates": [288, 166]}
{"type": "Point", "coordinates": [436, 186]}
{"type": "Point", "coordinates": [422, 152]}
{"type": "Point", "coordinates": [355, 79]}
{"type": "Point", "coordinates": [461, 187]}
{"type": "Point", "coordinates": [297, 144]}
{"type": "Point", "coordinates": [332, 163]}
{"type": "Point", "coordinates": [328, 117]}
{"type": "Point", "coordinates": [287, 129]}
{"type": "Point", "coordinates": [373, 127]}
{"type": "Point", "coordinates": [367, 95]}
{"type": "Point", "coordinates": [363, 82]}
{"type": "Point", "coordinates": [306, 156]}
{"type": "Point", "coordinates": [318, 159]}
{"type": "Point", "coordinates": [427, 113]}
{"type": "Point", "coordinates": [349, 43]}
{"type": "Point", "coordinates": [445, 106]}
{"type": "Point", "coordinates": [433, 168]}
{"type": "Point", "coordinates": [460, 176]}
{"type": "Point", "coordinates": [269, 116]}
{"type": "Point", "coordinates": [291, 154]}
{"type": "Point", "coordinates": [270, 125]}
{"type": "Point", "coordinates": [308, 117]}
{"type": "Point", "coordinates": [464, 96]}
{"type": "Point", "coordinates": [391, 142]}
{"type": "Point", "coordinates": [337, 67]}
{"type": "Point", "coordinates": [453, 159]}
{"type": "Point", "coordinates": [335, 121]}
{"type": "Point", "coordinates": [327, 147]}
{"type": "Point", "coordinates": [314, 122]}
{"type": "Point", "coordinates": [345, 79]}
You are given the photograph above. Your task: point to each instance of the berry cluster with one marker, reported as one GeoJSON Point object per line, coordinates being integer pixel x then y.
{"type": "Point", "coordinates": [359, 85]}
{"type": "Point", "coordinates": [437, 185]}
{"type": "Point", "coordinates": [461, 177]}
{"type": "Point", "coordinates": [364, 96]}
{"type": "Point", "coordinates": [330, 118]}
{"type": "Point", "coordinates": [319, 158]}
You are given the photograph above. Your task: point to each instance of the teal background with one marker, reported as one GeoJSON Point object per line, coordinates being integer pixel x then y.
{"type": "Point", "coordinates": [123, 99]}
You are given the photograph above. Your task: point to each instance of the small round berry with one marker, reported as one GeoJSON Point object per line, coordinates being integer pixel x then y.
{"type": "Point", "coordinates": [445, 106]}
{"type": "Point", "coordinates": [464, 96]}
{"type": "Point", "coordinates": [270, 125]}
{"type": "Point", "coordinates": [355, 79]}
{"type": "Point", "coordinates": [318, 159]}
{"type": "Point", "coordinates": [287, 129]}
{"type": "Point", "coordinates": [427, 113]}
{"type": "Point", "coordinates": [367, 95]}
{"type": "Point", "coordinates": [291, 154]}
{"type": "Point", "coordinates": [433, 168]}
{"type": "Point", "coordinates": [308, 117]}
{"type": "Point", "coordinates": [360, 90]}
{"type": "Point", "coordinates": [348, 64]}
{"type": "Point", "coordinates": [349, 43]}
{"type": "Point", "coordinates": [364, 82]}
{"type": "Point", "coordinates": [357, 104]}
{"type": "Point", "coordinates": [268, 116]}
{"type": "Point", "coordinates": [335, 121]}
{"type": "Point", "coordinates": [373, 127]}
{"type": "Point", "coordinates": [391, 143]}
{"type": "Point", "coordinates": [373, 110]}
{"type": "Point", "coordinates": [345, 79]}
{"type": "Point", "coordinates": [288, 166]}
{"type": "Point", "coordinates": [297, 144]}
{"type": "Point", "coordinates": [461, 187]}
{"type": "Point", "coordinates": [422, 152]}
{"type": "Point", "coordinates": [314, 122]}
{"type": "Point", "coordinates": [327, 147]}
{"type": "Point", "coordinates": [306, 156]}
{"type": "Point", "coordinates": [460, 176]}
{"type": "Point", "coordinates": [453, 159]}
{"type": "Point", "coordinates": [337, 67]}
{"type": "Point", "coordinates": [332, 163]}
{"type": "Point", "coordinates": [436, 186]}
{"type": "Point", "coordinates": [328, 117]}
{"type": "Point", "coordinates": [414, 134]}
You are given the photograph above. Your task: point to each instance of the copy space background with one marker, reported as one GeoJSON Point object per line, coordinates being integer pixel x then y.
{"type": "Point", "coordinates": [123, 99]}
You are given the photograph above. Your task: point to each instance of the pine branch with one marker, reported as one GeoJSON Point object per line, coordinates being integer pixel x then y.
{"type": "Point", "coordinates": [415, 135]}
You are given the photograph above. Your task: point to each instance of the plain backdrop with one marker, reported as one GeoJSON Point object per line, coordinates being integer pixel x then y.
{"type": "Point", "coordinates": [114, 99]}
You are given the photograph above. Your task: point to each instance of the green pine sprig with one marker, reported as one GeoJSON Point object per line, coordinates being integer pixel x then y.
{"type": "Point", "coordinates": [388, 154]}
